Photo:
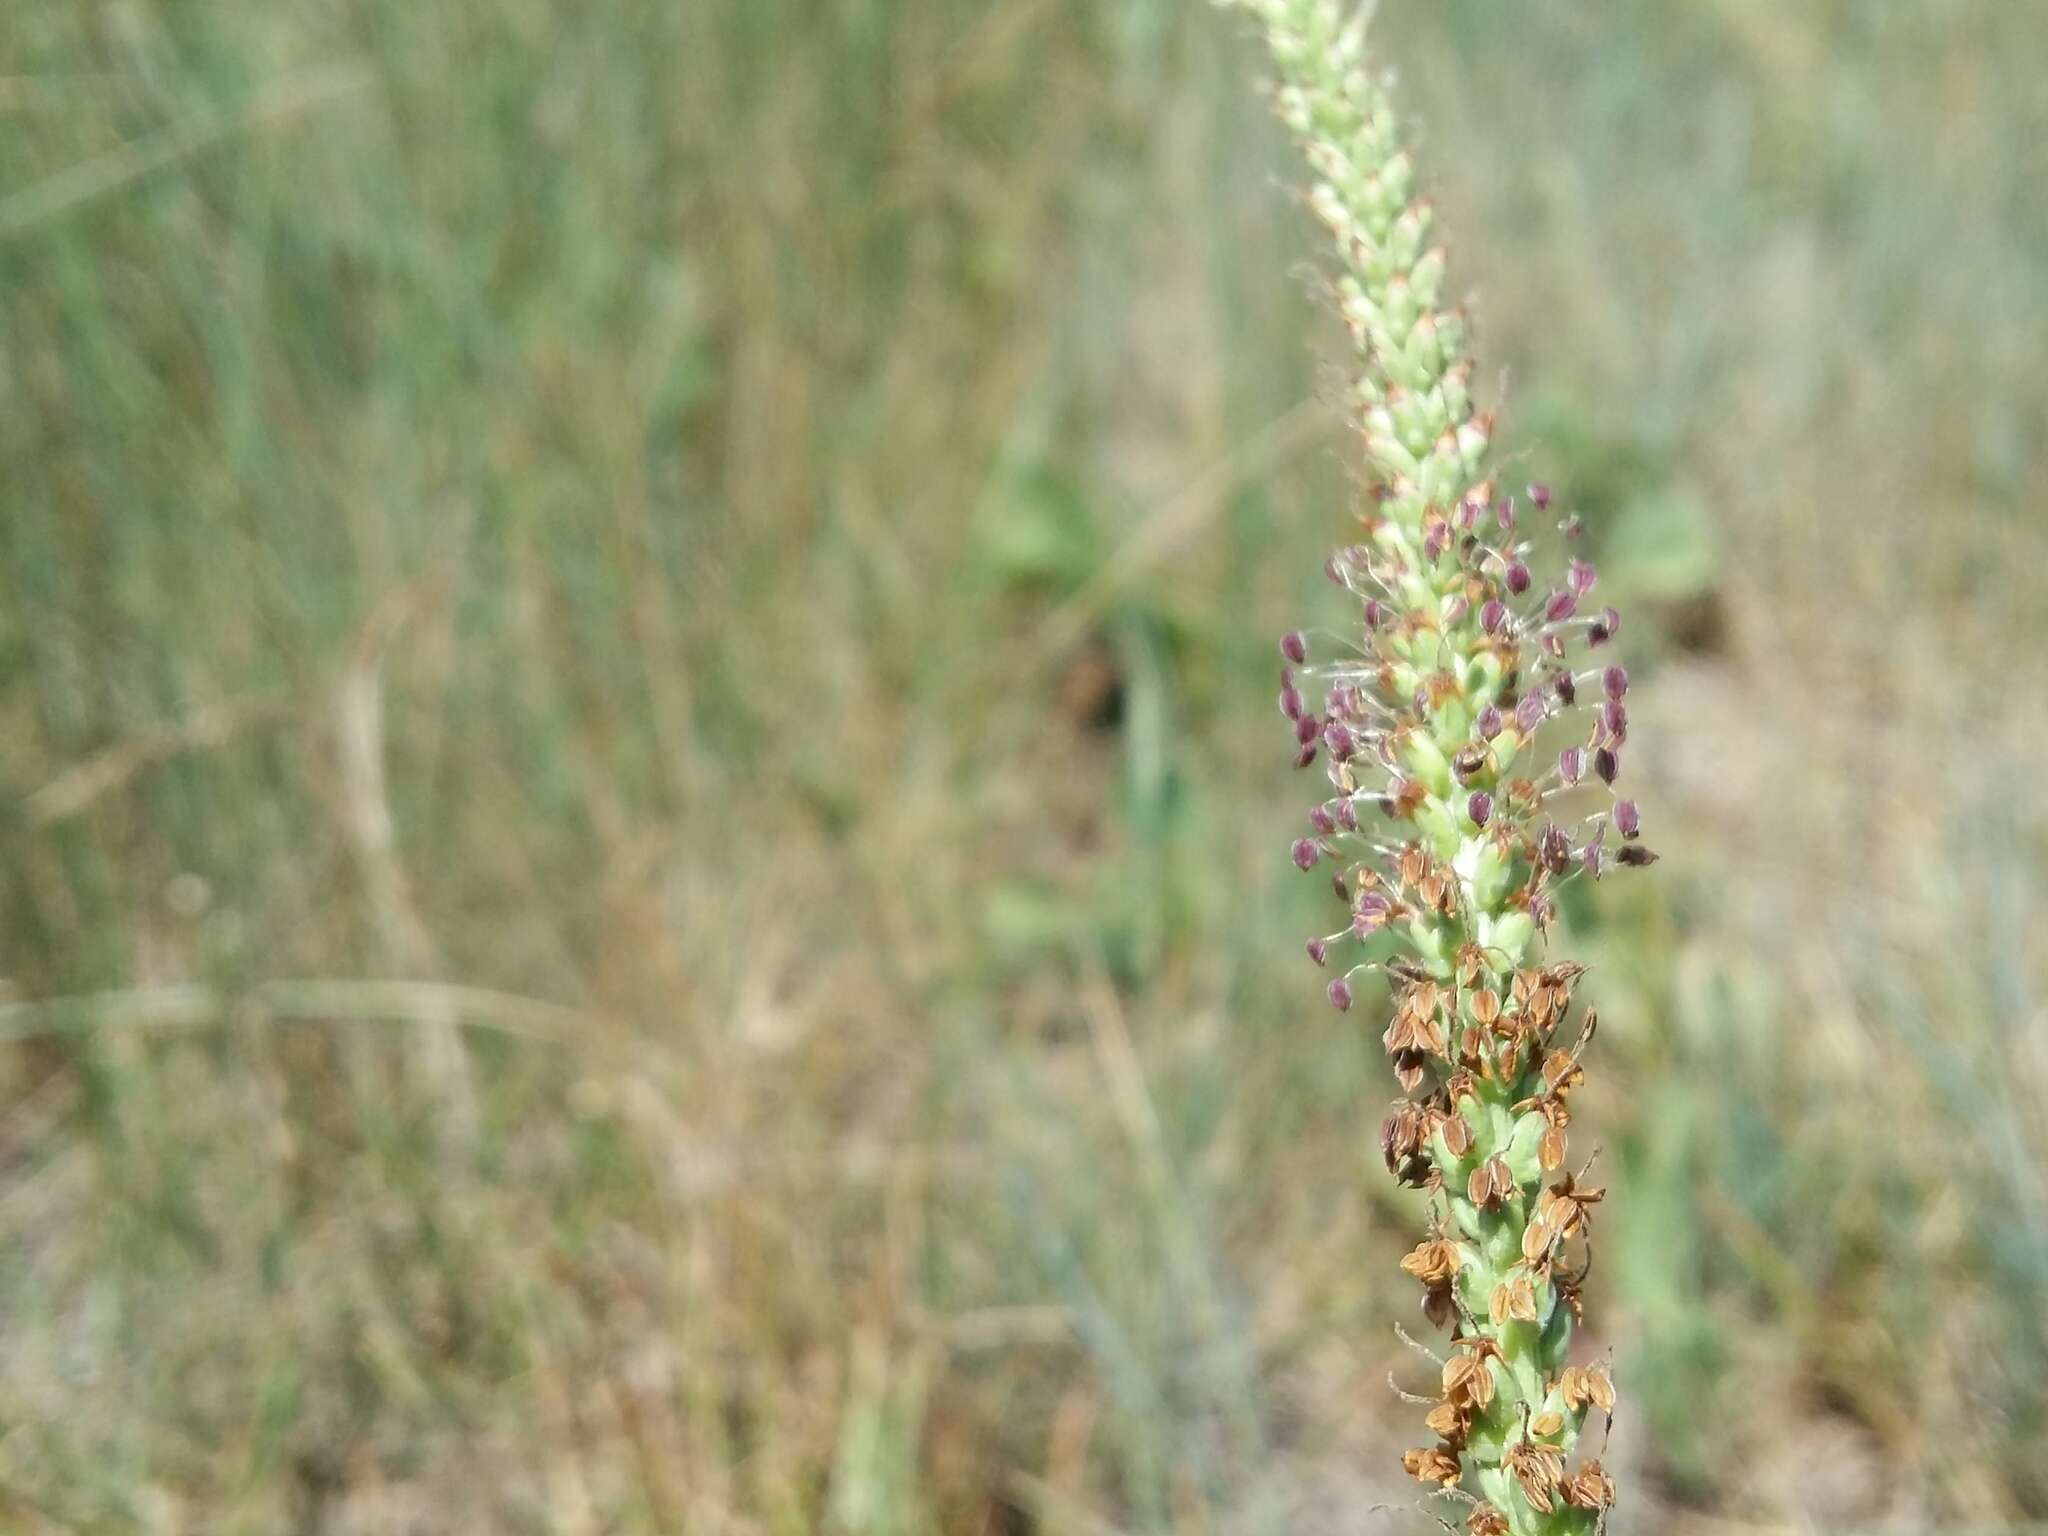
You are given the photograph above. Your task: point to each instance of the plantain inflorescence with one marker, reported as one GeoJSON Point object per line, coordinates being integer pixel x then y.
{"type": "Point", "coordinates": [1473, 732]}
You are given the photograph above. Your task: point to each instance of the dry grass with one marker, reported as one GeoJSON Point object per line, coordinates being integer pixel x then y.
{"type": "Point", "coordinates": [644, 864]}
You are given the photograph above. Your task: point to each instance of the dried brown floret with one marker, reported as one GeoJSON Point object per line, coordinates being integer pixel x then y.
{"type": "Point", "coordinates": [1434, 1464]}
{"type": "Point", "coordinates": [1539, 1469]}
{"type": "Point", "coordinates": [1589, 1488]}
{"type": "Point", "coordinates": [1434, 1261]}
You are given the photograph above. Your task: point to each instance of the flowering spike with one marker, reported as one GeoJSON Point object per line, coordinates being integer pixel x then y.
{"type": "Point", "coordinates": [1466, 876]}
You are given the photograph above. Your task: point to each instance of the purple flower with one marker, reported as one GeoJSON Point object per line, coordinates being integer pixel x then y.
{"type": "Point", "coordinates": [1571, 764]}
{"type": "Point", "coordinates": [1294, 648]}
{"type": "Point", "coordinates": [1480, 807]}
{"type": "Point", "coordinates": [1581, 577]}
{"type": "Point", "coordinates": [1540, 494]}
{"type": "Point", "coordinates": [1493, 615]}
{"type": "Point", "coordinates": [1562, 605]}
{"type": "Point", "coordinates": [1607, 764]}
{"type": "Point", "coordinates": [1318, 951]}
{"type": "Point", "coordinates": [1490, 722]}
{"type": "Point", "coordinates": [1518, 578]}
{"type": "Point", "coordinates": [1614, 681]}
{"type": "Point", "coordinates": [1340, 995]}
{"type": "Point", "coordinates": [1628, 821]}
{"type": "Point", "coordinates": [1305, 854]}
{"type": "Point", "coordinates": [1320, 818]}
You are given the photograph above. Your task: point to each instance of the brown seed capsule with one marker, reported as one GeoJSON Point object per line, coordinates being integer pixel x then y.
{"type": "Point", "coordinates": [1457, 1134]}
{"type": "Point", "coordinates": [1439, 1306]}
{"type": "Point", "coordinates": [1491, 1185]}
{"type": "Point", "coordinates": [1562, 1072]}
{"type": "Point", "coordinates": [1513, 1300]}
{"type": "Point", "coordinates": [1538, 1468]}
{"type": "Point", "coordinates": [1433, 1262]}
{"type": "Point", "coordinates": [1468, 1380]}
{"type": "Point", "coordinates": [1438, 1464]}
{"type": "Point", "coordinates": [1450, 1422]}
{"type": "Point", "coordinates": [1485, 1007]}
{"type": "Point", "coordinates": [1567, 1207]}
{"type": "Point", "coordinates": [1546, 1424]}
{"type": "Point", "coordinates": [1403, 1132]}
{"type": "Point", "coordinates": [1589, 1488]}
{"type": "Point", "coordinates": [1485, 1520]}
{"type": "Point", "coordinates": [1538, 1238]}
{"type": "Point", "coordinates": [1551, 1149]}
{"type": "Point", "coordinates": [1584, 1385]}
{"type": "Point", "coordinates": [1410, 1067]}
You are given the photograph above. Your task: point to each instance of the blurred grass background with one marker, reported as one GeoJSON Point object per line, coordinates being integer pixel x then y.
{"type": "Point", "coordinates": [642, 846]}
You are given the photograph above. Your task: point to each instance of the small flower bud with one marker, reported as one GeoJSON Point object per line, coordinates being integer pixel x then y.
{"type": "Point", "coordinates": [1305, 756]}
{"type": "Point", "coordinates": [1567, 689]}
{"type": "Point", "coordinates": [1305, 729]}
{"type": "Point", "coordinates": [1614, 681]}
{"type": "Point", "coordinates": [1529, 713]}
{"type": "Point", "coordinates": [1320, 818]}
{"type": "Point", "coordinates": [1290, 703]}
{"type": "Point", "coordinates": [1562, 605]}
{"type": "Point", "coordinates": [1493, 615]}
{"type": "Point", "coordinates": [1490, 722]}
{"type": "Point", "coordinates": [1504, 514]}
{"type": "Point", "coordinates": [1593, 857]}
{"type": "Point", "coordinates": [1554, 848]}
{"type": "Point", "coordinates": [1318, 951]}
{"type": "Point", "coordinates": [1468, 514]}
{"type": "Point", "coordinates": [1347, 815]}
{"type": "Point", "coordinates": [1375, 613]}
{"type": "Point", "coordinates": [1628, 820]}
{"type": "Point", "coordinates": [1294, 648]}
{"type": "Point", "coordinates": [1305, 854]}
{"type": "Point", "coordinates": [1480, 808]}
{"type": "Point", "coordinates": [1607, 764]}
{"type": "Point", "coordinates": [1336, 571]}
{"type": "Point", "coordinates": [1581, 577]}
{"type": "Point", "coordinates": [1571, 764]}
{"type": "Point", "coordinates": [1340, 995]}
{"type": "Point", "coordinates": [1540, 494]}
{"type": "Point", "coordinates": [1518, 578]}
{"type": "Point", "coordinates": [1338, 739]}
{"type": "Point", "coordinates": [1605, 627]}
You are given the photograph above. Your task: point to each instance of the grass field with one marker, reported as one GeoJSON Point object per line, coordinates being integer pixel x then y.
{"type": "Point", "coordinates": [643, 877]}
